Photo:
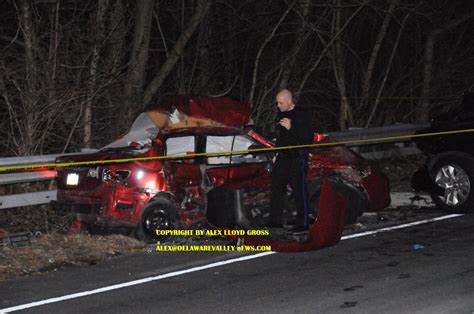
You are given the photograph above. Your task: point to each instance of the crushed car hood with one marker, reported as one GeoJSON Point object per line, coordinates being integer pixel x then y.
{"type": "Point", "coordinates": [219, 109]}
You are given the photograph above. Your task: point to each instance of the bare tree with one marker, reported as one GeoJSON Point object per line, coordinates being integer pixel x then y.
{"type": "Point", "coordinates": [69, 78]}
{"type": "Point", "coordinates": [135, 80]}
{"type": "Point", "coordinates": [93, 71]}
{"type": "Point", "coordinates": [387, 71]}
{"type": "Point", "coordinates": [176, 52]}
{"type": "Point", "coordinates": [433, 36]}
{"type": "Point", "coordinates": [30, 94]}
{"type": "Point", "coordinates": [367, 78]}
{"type": "Point", "coordinates": [345, 111]}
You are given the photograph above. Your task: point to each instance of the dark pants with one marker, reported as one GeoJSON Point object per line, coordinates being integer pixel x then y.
{"type": "Point", "coordinates": [289, 170]}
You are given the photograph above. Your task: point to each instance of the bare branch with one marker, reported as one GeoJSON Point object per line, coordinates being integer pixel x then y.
{"type": "Point", "coordinates": [154, 85]}
{"type": "Point", "coordinates": [379, 93]}
{"type": "Point", "coordinates": [265, 42]}
{"type": "Point", "coordinates": [428, 65]}
{"type": "Point", "coordinates": [323, 53]}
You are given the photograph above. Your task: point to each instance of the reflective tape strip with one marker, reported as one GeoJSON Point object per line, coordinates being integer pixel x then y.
{"type": "Point", "coordinates": [243, 151]}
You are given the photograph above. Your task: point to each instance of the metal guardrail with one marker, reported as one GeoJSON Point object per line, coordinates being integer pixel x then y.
{"type": "Point", "coordinates": [400, 147]}
{"type": "Point", "coordinates": [43, 159]}
{"type": "Point", "coordinates": [24, 177]}
{"type": "Point", "coordinates": [31, 198]}
{"type": "Point", "coordinates": [27, 199]}
{"type": "Point", "coordinates": [44, 197]}
{"type": "Point", "coordinates": [373, 133]}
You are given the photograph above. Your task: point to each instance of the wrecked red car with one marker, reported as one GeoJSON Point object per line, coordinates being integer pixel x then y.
{"type": "Point", "coordinates": [190, 177]}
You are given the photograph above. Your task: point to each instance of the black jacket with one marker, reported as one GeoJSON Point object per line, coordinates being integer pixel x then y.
{"type": "Point", "coordinates": [300, 133]}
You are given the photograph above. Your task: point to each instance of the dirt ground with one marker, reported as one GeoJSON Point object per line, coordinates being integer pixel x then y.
{"type": "Point", "coordinates": [50, 251]}
{"type": "Point", "coordinates": [52, 246]}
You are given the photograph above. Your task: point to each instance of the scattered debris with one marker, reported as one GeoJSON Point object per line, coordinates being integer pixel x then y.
{"type": "Point", "coordinates": [353, 288]}
{"type": "Point", "coordinates": [16, 239]}
{"type": "Point", "coordinates": [390, 217]}
{"type": "Point", "coordinates": [348, 304]}
{"type": "Point", "coordinates": [407, 207]}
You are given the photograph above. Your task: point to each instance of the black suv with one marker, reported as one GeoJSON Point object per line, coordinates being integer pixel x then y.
{"type": "Point", "coordinates": [449, 172]}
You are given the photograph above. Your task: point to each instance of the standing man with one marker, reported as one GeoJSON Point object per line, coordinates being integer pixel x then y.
{"type": "Point", "coordinates": [294, 127]}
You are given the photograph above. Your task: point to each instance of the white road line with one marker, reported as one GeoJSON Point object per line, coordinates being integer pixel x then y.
{"type": "Point", "coordinates": [199, 268]}
{"type": "Point", "coordinates": [415, 223]}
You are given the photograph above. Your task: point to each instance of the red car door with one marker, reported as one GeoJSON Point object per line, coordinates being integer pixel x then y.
{"type": "Point", "coordinates": [238, 170]}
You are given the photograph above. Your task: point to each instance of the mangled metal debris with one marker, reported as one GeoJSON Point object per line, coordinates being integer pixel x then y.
{"type": "Point", "coordinates": [171, 193]}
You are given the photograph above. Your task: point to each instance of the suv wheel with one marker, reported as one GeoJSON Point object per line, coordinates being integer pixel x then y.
{"type": "Point", "coordinates": [455, 175]}
{"type": "Point", "coordinates": [160, 214]}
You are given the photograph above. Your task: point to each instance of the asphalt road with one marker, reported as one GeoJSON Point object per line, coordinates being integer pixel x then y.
{"type": "Point", "coordinates": [421, 269]}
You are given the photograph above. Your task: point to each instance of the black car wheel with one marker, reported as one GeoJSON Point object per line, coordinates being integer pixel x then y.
{"type": "Point", "coordinates": [455, 175]}
{"type": "Point", "coordinates": [160, 214]}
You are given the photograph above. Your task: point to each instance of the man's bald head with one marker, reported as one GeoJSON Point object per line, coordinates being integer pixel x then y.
{"type": "Point", "coordinates": [285, 94]}
{"type": "Point", "coordinates": [285, 100]}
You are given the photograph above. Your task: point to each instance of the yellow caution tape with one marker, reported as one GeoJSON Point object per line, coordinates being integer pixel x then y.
{"type": "Point", "coordinates": [244, 151]}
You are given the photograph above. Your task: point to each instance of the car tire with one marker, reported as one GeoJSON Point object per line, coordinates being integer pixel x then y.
{"type": "Point", "coordinates": [455, 174]}
{"type": "Point", "coordinates": [158, 214]}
